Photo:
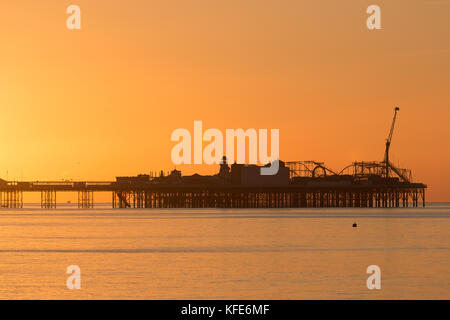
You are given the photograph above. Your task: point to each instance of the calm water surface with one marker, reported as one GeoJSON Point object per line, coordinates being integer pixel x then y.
{"type": "Point", "coordinates": [225, 254]}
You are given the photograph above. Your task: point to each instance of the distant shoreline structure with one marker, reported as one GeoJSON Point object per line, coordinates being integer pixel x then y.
{"type": "Point", "coordinates": [298, 184]}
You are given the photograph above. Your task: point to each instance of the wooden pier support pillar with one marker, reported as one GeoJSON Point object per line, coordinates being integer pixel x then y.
{"type": "Point", "coordinates": [362, 197]}
{"type": "Point", "coordinates": [48, 199]}
{"type": "Point", "coordinates": [85, 199]}
{"type": "Point", "coordinates": [11, 199]}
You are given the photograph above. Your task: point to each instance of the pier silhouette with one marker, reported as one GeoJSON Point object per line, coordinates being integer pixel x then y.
{"type": "Point", "coordinates": [297, 184]}
{"type": "Point", "coordinates": [300, 184]}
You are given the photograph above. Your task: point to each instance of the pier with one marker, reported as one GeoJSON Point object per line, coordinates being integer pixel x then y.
{"type": "Point", "coordinates": [240, 187]}
{"type": "Point", "coordinates": [297, 184]}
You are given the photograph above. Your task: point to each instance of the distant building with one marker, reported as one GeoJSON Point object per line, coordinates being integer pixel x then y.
{"type": "Point", "coordinates": [250, 175]}
{"type": "Point", "coordinates": [239, 174]}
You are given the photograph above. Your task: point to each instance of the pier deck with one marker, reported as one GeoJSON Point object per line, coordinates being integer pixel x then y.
{"type": "Point", "coordinates": [166, 195]}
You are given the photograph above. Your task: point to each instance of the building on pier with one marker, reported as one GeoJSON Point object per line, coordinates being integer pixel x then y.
{"type": "Point", "coordinates": [300, 184]}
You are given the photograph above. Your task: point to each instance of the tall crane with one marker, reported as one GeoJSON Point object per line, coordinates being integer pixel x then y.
{"type": "Point", "coordinates": [388, 144]}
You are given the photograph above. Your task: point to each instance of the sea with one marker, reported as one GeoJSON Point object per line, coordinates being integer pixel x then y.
{"type": "Point", "coordinates": [224, 253]}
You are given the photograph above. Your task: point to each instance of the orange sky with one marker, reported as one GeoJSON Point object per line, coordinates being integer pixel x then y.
{"type": "Point", "coordinates": [103, 101]}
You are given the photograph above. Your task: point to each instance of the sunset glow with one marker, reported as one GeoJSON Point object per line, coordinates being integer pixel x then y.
{"type": "Point", "coordinates": [102, 101]}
